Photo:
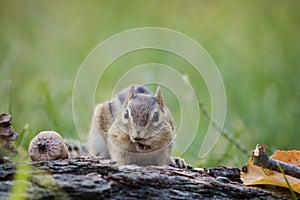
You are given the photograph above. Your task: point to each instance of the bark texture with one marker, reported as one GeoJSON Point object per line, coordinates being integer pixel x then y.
{"type": "Point", "coordinates": [93, 178]}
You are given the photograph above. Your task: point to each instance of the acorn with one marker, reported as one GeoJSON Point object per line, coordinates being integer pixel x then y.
{"type": "Point", "coordinates": [47, 145]}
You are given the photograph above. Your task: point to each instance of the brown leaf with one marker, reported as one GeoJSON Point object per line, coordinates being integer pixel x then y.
{"type": "Point", "coordinates": [255, 175]}
{"type": "Point", "coordinates": [291, 157]}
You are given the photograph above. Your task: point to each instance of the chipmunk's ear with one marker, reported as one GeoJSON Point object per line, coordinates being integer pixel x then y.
{"type": "Point", "coordinates": [159, 97]}
{"type": "Point", "coordinates": [130, 94]}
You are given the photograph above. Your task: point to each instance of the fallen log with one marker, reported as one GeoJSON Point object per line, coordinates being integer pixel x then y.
{"type": "Point", "coordinates": [95, 178]}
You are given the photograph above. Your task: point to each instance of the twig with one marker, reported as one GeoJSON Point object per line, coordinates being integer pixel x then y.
{"type": "Point", "coordinates": [226, 135]}
{"type": "Point", "coordinates": [263, 160]}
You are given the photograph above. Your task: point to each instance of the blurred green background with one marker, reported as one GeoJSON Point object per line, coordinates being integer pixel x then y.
{"type": "Point", "coordinates": [255, 44]}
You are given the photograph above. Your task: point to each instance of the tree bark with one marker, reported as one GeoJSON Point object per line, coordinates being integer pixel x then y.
{"type": "Point", "coordinates": [94, 178]}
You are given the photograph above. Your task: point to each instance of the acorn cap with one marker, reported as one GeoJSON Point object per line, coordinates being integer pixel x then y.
{"type": "Point", "coordinates": [7, 135]}
{"type": "Point", "coordinates": [5, 127]}
{"type": "Point", "coordinates": [5, 118]}
{"type": "Point", "coordinates": [47, 145]}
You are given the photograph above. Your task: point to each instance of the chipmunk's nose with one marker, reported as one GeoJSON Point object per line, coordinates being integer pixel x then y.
{"type": "Point", "coordinates": [137, 136]}
{"type": "Point", "coordinates": [137, 139]}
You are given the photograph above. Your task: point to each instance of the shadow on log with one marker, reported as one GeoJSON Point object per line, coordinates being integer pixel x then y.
{"type": "Point", "coordinates": [93, 178]}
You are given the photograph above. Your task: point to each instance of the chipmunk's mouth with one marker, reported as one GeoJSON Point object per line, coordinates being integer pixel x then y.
{"type": "Point", "coordinates": [142, 147]}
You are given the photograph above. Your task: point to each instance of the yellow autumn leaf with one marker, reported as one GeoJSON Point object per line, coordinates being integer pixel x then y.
{"type": "Point", "coordinates": [255, 175]}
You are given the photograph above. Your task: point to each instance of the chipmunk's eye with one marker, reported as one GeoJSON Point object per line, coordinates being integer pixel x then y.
{"type": "Point", "coordinates": [126, 114]}
{"type": "Point", "coordinates": [155, 117]}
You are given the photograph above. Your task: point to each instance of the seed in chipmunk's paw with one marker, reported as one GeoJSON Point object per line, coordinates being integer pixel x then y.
{"type": "Point", "coordinates": [47, 145]}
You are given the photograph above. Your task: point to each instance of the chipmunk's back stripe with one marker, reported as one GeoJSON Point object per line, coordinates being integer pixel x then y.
{"type": "Point", "coordinates": [121, 98]}
{"type": "Point", "coordinates": [142, 90]}
{"type": "Point", "coordinates": [110, 108]}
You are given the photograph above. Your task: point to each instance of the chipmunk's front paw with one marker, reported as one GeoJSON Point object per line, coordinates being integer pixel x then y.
{"type": "Point", "coordinates": [179, 163]}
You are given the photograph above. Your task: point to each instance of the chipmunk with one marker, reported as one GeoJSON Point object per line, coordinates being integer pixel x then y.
{"type": "Point", "coordinates": [135, 127]}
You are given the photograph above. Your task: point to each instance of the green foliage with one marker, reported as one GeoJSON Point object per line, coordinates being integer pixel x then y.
{"type": "Point", "coordinates": [255, 45]}
{"type": "Point", "coordinates": [21, 181]}
{"type": "Point", "coordinates": [287, 182]}
{"type": "Point", "coordinates": [50, 107]}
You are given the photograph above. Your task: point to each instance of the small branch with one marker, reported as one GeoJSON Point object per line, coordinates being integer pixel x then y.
{"type": "Point", "coordinates": [261, 159]}
{"type": "Point", "coordinates": [227, 135]}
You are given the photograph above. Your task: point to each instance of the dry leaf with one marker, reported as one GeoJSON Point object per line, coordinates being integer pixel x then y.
{"type": "Point", "coordinates": [292, 157]}
{"type": "Point", "coordinates": [255, 175]}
